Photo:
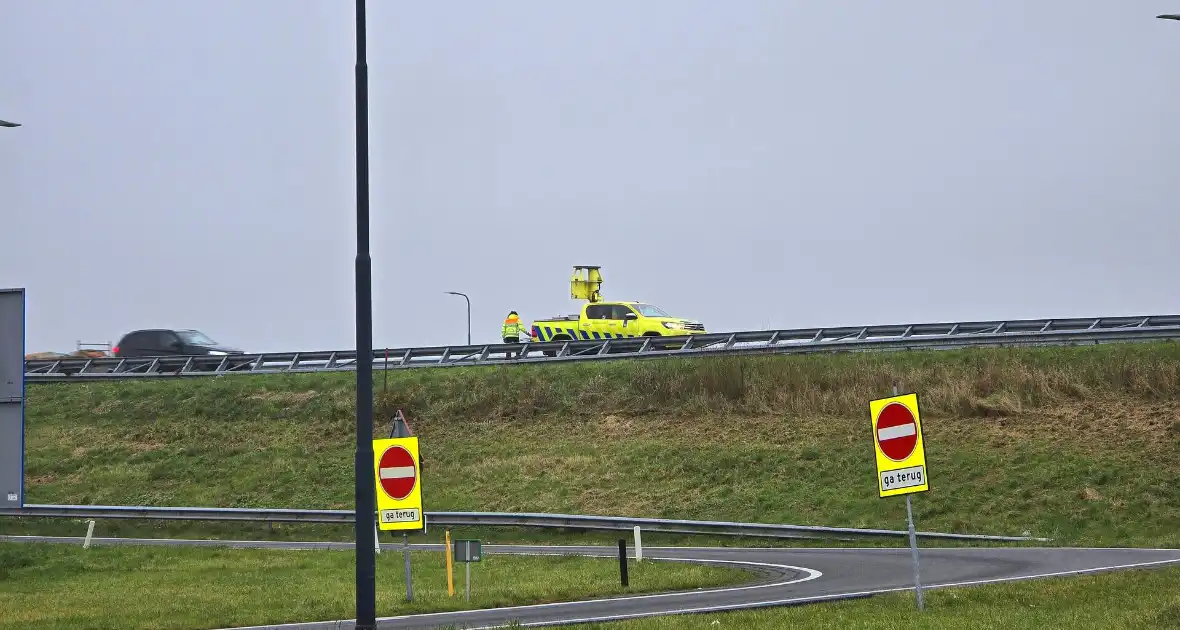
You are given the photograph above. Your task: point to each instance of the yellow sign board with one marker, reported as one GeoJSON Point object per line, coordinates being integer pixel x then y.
{"type": "Point", "coordinates": [399, 484]}
{"type": "Point", "coordinates": [897, 441]}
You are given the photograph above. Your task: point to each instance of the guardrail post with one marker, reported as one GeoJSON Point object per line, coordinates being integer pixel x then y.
{"type": "Point", "coordinates": [623, 561]}
{"type": "Point", "coordinates": [89, 534]}
{"type": "Point", "coordinates": [638, 546]}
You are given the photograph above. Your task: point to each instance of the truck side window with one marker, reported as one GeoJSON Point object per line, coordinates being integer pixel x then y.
{"type": "Point", "coordinates": [618, 311]}
{"type": "Point", "coordinates": [598, 311]}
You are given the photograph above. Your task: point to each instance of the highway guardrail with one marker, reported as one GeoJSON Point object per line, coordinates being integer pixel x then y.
{"type": "Point", "coordinates": [937, 336]}
{"type": "Point", "coordinates": [484, 519]}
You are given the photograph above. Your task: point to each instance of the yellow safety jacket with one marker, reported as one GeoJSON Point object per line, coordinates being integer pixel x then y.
{"type": "Point", "coordinates": [512, 328]}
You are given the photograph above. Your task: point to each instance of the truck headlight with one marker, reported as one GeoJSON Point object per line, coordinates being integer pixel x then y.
{"type": "Point", "coordinates": [673, 325]}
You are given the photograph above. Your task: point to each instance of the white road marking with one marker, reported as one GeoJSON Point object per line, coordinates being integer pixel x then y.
{"type": "Point", "coordinates": [811, 575]}
{"type": "Point", "coordinates": [824, 598]}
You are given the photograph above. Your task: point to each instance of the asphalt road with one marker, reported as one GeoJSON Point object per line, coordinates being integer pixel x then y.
{"type": "Point", "coordinates": [786, 576]}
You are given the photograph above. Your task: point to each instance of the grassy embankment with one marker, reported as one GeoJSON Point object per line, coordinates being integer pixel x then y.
{"type": "Point", "coordinates": [1079, 444]}
{"type": "Point", "coordinates": [50, 586]}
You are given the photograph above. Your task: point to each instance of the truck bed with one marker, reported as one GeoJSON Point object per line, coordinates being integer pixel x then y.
{"type": "Point", "coordinates": [560, 318]}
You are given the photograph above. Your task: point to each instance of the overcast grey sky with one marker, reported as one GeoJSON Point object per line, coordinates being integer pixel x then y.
{"type": "Point", "coordinates": [749, 163]}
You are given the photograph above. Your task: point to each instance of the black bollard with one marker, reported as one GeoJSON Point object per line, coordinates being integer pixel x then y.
{"type": "Point", "coordinates": [623, 561]}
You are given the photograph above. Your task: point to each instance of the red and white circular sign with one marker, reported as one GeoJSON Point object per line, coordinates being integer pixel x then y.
{"type": "Point", "coordinates": [896, 431]}
{"type": "Point", "coordinates": [397, 472]}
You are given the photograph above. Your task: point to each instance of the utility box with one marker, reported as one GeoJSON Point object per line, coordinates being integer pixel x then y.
{"type": "Point", "coordinates": [467, 550]}
{"type": "Point", "coordinates": [12, 345]}
{"type": "Point", "coordinates": [12, 398]}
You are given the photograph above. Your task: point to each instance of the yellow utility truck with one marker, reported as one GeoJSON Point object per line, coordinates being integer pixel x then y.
{"type": "Point", "coordinates": [601, 319]}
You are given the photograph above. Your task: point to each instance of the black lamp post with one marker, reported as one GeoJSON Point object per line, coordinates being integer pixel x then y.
{"type": "Point", "coordinates": [366, 491]}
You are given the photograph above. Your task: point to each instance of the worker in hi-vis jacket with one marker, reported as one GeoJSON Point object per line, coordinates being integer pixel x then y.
{"type": "Point", "coordinates": [512, 330]}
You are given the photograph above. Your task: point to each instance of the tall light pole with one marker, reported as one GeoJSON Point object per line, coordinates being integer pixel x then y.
{"type": "Point", "coordinates": [366, 487]}
{"type": "Point", "coordinates": [468, 313]}
{"type": "Point", "coordinates": [1169, 16]}
{"type": "Point", "coordinates": [5, 123]}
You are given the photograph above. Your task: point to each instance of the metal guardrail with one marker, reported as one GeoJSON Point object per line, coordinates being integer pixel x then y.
{"type": "Point", "coordinates": [939, 336]}
{"type": "Point", "coordinates": [483, 519]}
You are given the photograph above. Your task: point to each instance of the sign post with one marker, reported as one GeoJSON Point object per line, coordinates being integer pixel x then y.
{"type": "Point", "coordinates": [468, 551]}
{"type": "Point", "coordinates": [901, 460]}
{"type": "Point", "coordinates": [397, 467]}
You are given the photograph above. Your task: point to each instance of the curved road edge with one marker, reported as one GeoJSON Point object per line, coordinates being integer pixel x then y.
{"type": "Point", "coordinates": [813, 575]}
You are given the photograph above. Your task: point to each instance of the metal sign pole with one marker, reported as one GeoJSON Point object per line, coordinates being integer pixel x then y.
{"type": "Point", "coordinates": [909, 513]}
{"type": "Point", "coordinates": [914, 552]}
{"type": "Point", "coordinates": [467, 565]}
{"type": "Point", "coordinates": [409, 577]}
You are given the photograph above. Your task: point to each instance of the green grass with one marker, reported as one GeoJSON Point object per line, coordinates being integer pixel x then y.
{"type": "Point", "coordinates": [50, 586]}
{"type": "Point", "coordinates": [1079, 444]}
{"type": "Point", "coordinates": [1134, 599]}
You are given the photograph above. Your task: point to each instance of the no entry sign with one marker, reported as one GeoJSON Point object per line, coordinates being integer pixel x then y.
{"type": "Point", "coordinates": [897, 441]}
{"type": "Point", "coordinates": [897, 431]}
{"type": "Point", "coordinates": [397, 466]}
{"type": "Point", "coordinates": [397, 472]}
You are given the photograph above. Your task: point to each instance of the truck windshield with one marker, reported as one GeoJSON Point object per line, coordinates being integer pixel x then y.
{"type": "Point", "coordinates": [647, 310]}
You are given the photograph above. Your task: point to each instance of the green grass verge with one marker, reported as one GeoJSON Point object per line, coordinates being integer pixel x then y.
{"type": "Point", "coordinates": [51, 586]}
{"type": "Point", "coordinates": [1145, 599]}
{"type": "Point", "coordinates": [1079, 444]}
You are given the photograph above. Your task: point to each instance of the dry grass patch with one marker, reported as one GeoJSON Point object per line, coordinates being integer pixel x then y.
{"type": "Point", "coordinates": [285, 398]}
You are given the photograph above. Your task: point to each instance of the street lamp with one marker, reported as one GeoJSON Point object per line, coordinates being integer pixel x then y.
{"type": "Point", "coordinates": [468, 313]}
{"type": "Point", "coordinates": [365, 485]}
{"type": "Point", "coordinates": [1169, 16]}
{"type": "Point", "coordinates": [5, 123]}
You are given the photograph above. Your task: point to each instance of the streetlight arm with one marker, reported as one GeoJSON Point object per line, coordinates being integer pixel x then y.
{"type": "Point", "coordinates": [464, 295]}
{"type": "Point", "coordinates": [1169, 16]}
{"type": "Point", "coordinates": [5, 123]}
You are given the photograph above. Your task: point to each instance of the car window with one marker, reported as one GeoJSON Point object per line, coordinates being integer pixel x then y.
{"type": "Point", "coordinates": [597, 311]}
{"type": "Point", "coordinates": [131, 340]}
{"type": "Point", "coordinates": [618, 311]}
{"type": "Point", "coordinates": [647, 310]}
{"type": "Point", "coordinates": [196, 338]}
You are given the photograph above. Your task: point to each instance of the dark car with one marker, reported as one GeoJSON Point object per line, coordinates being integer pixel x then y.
{"type": "Point", "coordinates": [165, 342]}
